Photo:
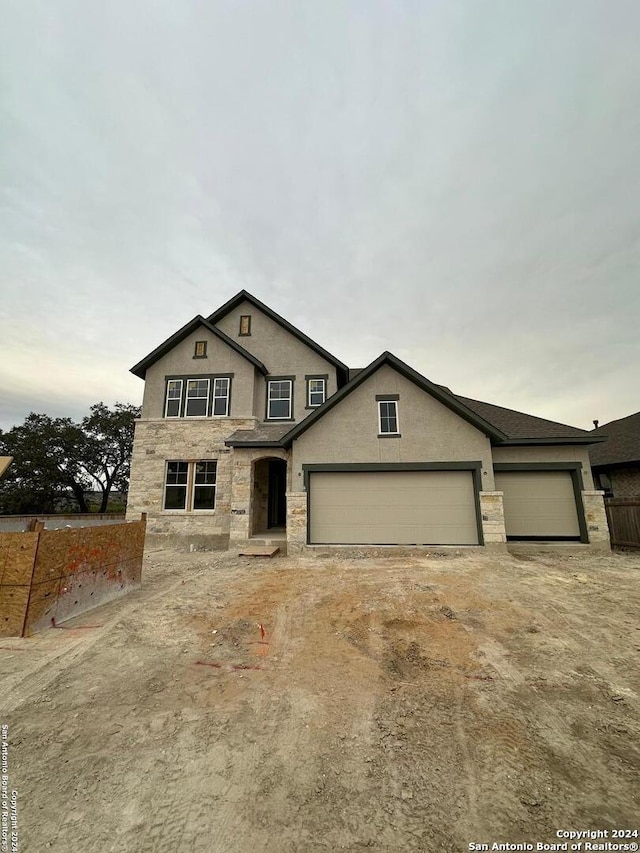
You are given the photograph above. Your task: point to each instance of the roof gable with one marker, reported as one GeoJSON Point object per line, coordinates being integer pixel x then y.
{"type": "Point", "coordinates": [141, 367]}
{"type": "Point", "coordinates": [245, 296]}
{"type": "Point", "coordinates": [438, 392]}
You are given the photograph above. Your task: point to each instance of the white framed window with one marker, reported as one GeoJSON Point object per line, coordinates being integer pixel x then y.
{"type": "Point", "coordinates": [221, 388]}
{"type": "Point", "coordinates": [316, 392]}
{"type": "Point", "coordinates": [197, 402]}
{"type": "Point", "coordinates": [190, 486]}
{"type": "Point", "coordinates": [204, 484]}
{"type": "Point", "coordinates": [279, 399]}
{"type": "Point", "coordinates": [175, 485]}
{"type": "Point", "coordinates": [173, 403]}
{"type": "Point", "coordinates": [388, 417]}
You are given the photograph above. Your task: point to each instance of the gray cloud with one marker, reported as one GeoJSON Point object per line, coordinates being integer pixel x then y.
{"type": "Point", "coordinates": [451, 181]}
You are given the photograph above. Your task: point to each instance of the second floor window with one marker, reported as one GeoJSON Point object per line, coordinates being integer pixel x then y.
{"type": "Point", "coordinates": [316, 392]}
{"type": "Point", "coordinates": [197, 396]}
{"type": "Point", "coordinates": [221, 396]}
{"type": "Point", "coordinates": [388, 417]}
{"type": "Point", "coordinates": [279, 399]}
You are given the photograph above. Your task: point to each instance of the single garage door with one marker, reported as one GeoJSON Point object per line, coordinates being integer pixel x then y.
{"type": "Point", "coordinates": [539, 504]}
{"type": "Point", "coordinates": [392, 508]}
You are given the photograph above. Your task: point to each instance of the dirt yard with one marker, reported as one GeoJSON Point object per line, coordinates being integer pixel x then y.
{"type": "Point", "coordinates": [421, 704]}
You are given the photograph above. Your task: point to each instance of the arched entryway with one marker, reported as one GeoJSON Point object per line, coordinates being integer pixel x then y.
{"type": "Point", "coordinates": [268, 499]}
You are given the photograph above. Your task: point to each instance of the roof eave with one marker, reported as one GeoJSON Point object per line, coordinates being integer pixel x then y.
{"type": "Point", "coordinates": [576, 439]}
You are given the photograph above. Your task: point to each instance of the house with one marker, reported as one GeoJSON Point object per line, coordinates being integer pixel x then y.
{"type": "Point", "coordinates": [616, 461]}
{"type": "Point", "coordinates": [250, 428]}
{"type": "Point", "coordinates": [5, 461]}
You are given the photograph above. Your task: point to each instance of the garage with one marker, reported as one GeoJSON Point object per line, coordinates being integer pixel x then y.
{"type": "Point", "coordinates": [392, 508]}
{"type": "Point", "coordinates": [539, 504]}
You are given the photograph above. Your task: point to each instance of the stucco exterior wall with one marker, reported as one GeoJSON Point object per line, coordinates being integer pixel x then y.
{"type": "Point", "coordinates": [548, 453]}
{"type": "Point", "coordinates": [281, 353]}
{"type": "Point", "coordinates": [157, 441]}
{"type": "Point", "coordinates": [180, 362]}
{"type": "Point", "coordinates": [430, 432]}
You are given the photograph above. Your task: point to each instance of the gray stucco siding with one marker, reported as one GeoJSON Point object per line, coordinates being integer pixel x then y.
{"type": "Point", "coordinates": [180, 362]}
{"type": "Point", "coordinates": [548, 453]}
{"type": "Point", "coordinates": [281, 353]}
{"type": "Point", "coordinates": [429, 431]}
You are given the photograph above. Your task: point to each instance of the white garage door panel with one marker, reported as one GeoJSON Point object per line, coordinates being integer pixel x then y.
{"type": "Point", "coordinates": [538, 503]}
{"type": "Point", "coordinates": [386, 508]}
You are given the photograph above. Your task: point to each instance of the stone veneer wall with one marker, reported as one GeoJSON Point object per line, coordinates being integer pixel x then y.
{"type": "Point", "coordinates": [159, 440]}
{"type": "Point", "coordinates": [296, 522]}
{"type": "Point", "coordinates": [596, 516]}
{"type": "Point", "coordinates": [492, 514]}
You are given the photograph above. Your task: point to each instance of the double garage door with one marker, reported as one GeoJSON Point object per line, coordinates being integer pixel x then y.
{"type": "Point", "coordinates": [392, 508]}
{"type": "Point", "coordinates": [539, 504]}
{"type": "Point", "coordinates": [435, 507]}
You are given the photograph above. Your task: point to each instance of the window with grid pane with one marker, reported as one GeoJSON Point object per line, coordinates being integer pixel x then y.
{"type": "Point", "coordinates": [388, 412]}
{"type": "Point", "coordinates": [221, 396]}
{"type": "Point", "coordinates": [197, 398]}
{"type": "Point", "coordinates": [316, 392]}
{"type": "Point", "coordinates": [204, 485]}
{"type": "Point", "coordinates": [175, 486]}
{"type": "Point", "coordinates": [174, 398]}
{"type": "Point", "coordinates": [279, 399]}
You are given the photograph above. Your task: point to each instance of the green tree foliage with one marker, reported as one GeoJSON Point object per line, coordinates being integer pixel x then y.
{"type": "Point", "coordinates": [53, 457]}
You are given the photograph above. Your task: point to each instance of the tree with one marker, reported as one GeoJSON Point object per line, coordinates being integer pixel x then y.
{"type": "Point", "coordinates": [55, 456]}
{"type": "Point", "coordinates": [109, 437]}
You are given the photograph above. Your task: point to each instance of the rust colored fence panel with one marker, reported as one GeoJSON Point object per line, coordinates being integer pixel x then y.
{"type": "Point", "coordinates": [49, 576]}
{"type": "Point", "coordinates": [623, 515]}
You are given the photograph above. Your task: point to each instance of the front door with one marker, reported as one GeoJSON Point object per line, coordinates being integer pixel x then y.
{"type": "Point", "coordinates": [277, 503]}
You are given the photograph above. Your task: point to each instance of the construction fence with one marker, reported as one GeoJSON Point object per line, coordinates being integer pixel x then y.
{"type": "Point", "coordinates": [48, 576]}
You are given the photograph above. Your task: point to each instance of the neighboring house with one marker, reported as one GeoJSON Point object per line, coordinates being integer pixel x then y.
{"type": "Point", "coordinates": [5, 461]}
{"type": "Point", "coordinates": [250, 428]}
{"type": "Point", "coordinates": [616, 461]}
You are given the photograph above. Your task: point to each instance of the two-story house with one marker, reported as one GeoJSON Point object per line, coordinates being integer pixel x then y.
{"type": "Point", "coordinates": [251, 429]}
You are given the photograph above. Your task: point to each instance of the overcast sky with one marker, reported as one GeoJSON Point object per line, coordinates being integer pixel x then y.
{"type": "Point", "coordinates": [457, 182]}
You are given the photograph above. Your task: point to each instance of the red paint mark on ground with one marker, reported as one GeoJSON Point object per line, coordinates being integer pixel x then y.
{"type": "Point", "coordinates": [262, 631]}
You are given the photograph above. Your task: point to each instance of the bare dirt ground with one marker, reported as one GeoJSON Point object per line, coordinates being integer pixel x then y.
{"type": "Point", "coordinates": [416, 704]}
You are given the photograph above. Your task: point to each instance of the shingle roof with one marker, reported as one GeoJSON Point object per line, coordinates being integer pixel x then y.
{"type": "Point", "coordinates": [518, 425]}
{"type": "Point", "coordinates": [622, 444]}
{"type": "Point", "coordinates": [264, 435]}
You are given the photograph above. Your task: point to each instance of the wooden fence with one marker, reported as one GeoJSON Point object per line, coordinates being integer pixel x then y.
{"type": "Point", "coordinates": [48, 576]}
{"type": "Point", "coordinates": [623, 515]}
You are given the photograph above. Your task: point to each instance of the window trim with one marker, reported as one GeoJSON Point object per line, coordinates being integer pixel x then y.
{"type": "Point", "coordinates": [388, 398]}
{"type": "Point", "coordinates": [324, 377]}
{"type": "Point", "coordinates": [226, 397]}
{"type": "Point", "coordinates": [167, 485]}
{"type": "Point", "coordinates": [291, 381]}
{"type": "Point", "coordinates": [179, 399]}
{"type": "Point", "coordinates": [246, 334]}
{"type": "Point", "coordinates": [190, 487]}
